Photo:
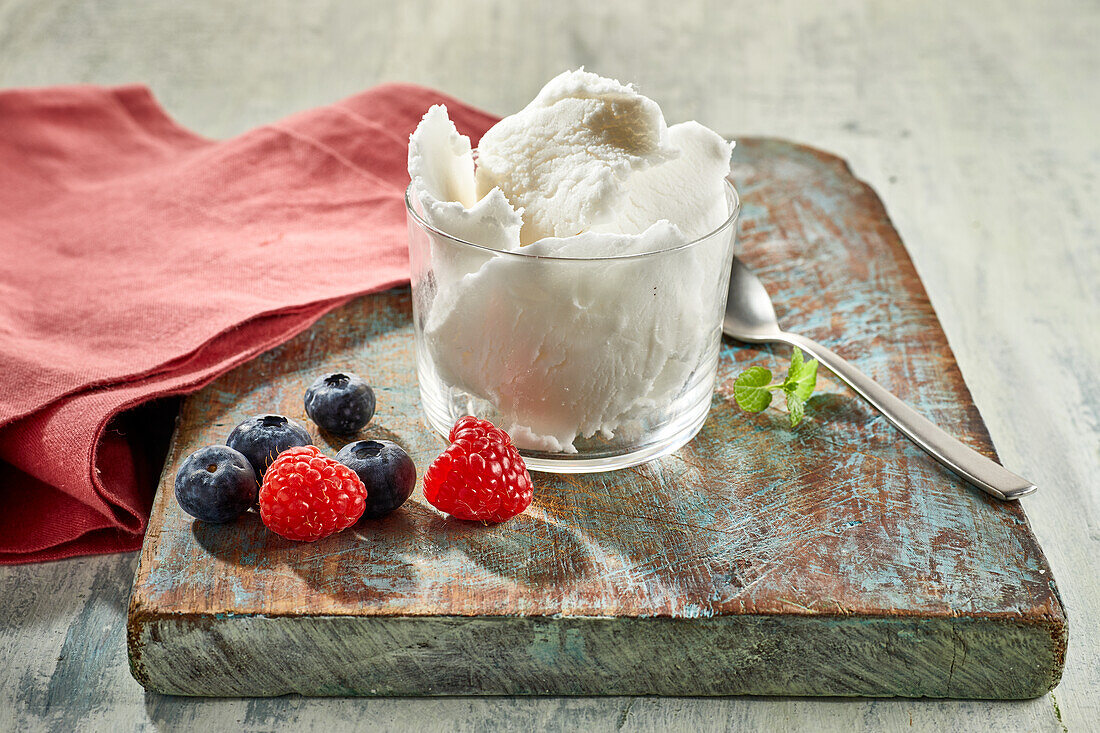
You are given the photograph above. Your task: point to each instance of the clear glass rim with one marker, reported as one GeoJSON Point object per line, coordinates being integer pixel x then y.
{"type": "Point", "coordinates": [735, 211]}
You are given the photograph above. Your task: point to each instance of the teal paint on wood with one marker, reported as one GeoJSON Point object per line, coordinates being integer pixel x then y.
{"type": "Point", "coordinates": [833, 559]}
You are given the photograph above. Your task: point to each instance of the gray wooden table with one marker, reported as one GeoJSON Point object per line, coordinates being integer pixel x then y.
{"type": "Point", "coordinates": [975, 122]}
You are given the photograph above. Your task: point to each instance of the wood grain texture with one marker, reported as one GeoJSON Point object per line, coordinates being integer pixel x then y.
{"type": "Point", "coordinates": [750, 561]}
{"type": "Point", "coordinates": [976, 125]}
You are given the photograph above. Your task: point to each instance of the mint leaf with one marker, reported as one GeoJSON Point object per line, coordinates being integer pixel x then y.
{"type": "Point", "coordinates": [801, 379]}
{"type": "Point", "coordinates": [796, 362]}
{"type": "Point", "coordinates": [796, 408]}
{"type": "Point", "coordinates": [751, 389]}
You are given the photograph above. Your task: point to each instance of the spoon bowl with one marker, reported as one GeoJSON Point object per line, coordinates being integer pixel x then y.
{"type": "Point", "coordinates": [750, 315]}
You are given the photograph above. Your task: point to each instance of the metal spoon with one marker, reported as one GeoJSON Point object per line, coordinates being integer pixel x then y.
{"type": "Point", "coordinates": [750, 317]}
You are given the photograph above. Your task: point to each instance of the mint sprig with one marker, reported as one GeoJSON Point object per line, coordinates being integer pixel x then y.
{"type": "Point", "coordinates": [753, 388]}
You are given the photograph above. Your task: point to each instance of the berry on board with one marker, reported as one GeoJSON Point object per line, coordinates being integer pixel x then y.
{"type": "Point", "coordinates": [306, 495]}
{"type": "Point", "coordinates": [340, 402]}
{"type": "Point", "coordinates": [480, 476]}
{"type": "Point", "coordinates": [263, 437]}
{"type": "Point", "coordinates": [215, 484]}
{"type": "Point", "coordinates": [385, 469]}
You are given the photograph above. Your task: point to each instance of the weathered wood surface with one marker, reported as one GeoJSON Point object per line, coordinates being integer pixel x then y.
{"type": "Point", "coordinates": [835, 559]}
{"type": "Point", "coordinates": [976, 127]}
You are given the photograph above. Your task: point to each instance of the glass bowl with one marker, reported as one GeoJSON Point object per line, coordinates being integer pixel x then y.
{"type": "Point", "coordinates": [590, 364]}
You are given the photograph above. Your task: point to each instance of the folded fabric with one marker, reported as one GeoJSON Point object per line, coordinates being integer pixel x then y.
{"type": "Point", "coordinates": [139, 260]}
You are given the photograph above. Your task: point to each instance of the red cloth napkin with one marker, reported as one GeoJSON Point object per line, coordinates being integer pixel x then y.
{"type": "Point", "coordinates": [139, 260]}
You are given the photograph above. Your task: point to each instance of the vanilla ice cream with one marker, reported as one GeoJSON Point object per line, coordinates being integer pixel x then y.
{"type": "Point", "coordinates": [566, 334]}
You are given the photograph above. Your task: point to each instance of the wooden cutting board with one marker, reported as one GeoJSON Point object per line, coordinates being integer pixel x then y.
{"type": "Point", "coordinates": [832, 559]}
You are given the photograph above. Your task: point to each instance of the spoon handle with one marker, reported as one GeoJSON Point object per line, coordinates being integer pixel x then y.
{"type": "Point", "coordinates": [987, 475]}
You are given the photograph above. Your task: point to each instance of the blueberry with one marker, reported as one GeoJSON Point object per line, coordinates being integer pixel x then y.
{"type": "Point", "coordinates": [385, 469]}
{"type": "Point", "coordinates": [264, 437]}
{"type": "Point", "coordinates": [216, 484]}
{"type": "Point", "coordinates": [340, 402]}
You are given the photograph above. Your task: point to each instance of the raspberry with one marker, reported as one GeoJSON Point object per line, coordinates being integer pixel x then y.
{"type": "Point", "coordinates": [306, 496]}
{"type": "Point", "coordinates": [480, 476]}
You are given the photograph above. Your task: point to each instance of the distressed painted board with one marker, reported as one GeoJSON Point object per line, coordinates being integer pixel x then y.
{"type": "Point", "coordinates": [834, 559]}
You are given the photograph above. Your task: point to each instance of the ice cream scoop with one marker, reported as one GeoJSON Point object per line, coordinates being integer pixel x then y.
{"type": "Point", "coordinates": [441, 166]}
{"type": "Point", "coordinates": [567, 156]}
